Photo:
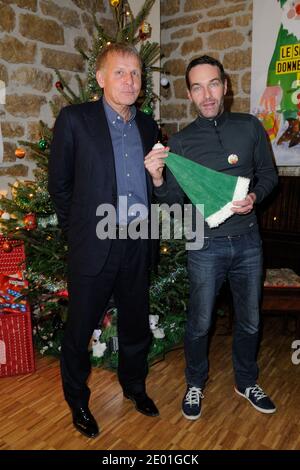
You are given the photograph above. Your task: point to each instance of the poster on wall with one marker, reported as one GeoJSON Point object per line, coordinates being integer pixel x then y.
{"type": "Point", "coordinates": [275, 84]}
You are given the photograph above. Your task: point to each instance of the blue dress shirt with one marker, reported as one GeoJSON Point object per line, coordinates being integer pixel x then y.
{"type": "Point", "coordinates": [129, 163]}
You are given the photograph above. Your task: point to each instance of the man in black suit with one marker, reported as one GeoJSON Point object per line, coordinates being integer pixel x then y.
{"type": "Point", "coordinates": [97, 155]}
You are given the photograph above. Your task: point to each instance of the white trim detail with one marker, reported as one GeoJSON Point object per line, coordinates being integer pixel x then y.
{"type": "Point", "coordinates": [240, 192]}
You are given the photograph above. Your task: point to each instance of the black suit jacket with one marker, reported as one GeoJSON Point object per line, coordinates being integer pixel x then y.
{"type": "Point", "coordinates": [82, 176]}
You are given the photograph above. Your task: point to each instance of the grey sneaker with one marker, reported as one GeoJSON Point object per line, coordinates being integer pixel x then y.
{"type": "Point", "coordinates": [191, 403]}
{"type": "Point", "coordinates": [257, 398]}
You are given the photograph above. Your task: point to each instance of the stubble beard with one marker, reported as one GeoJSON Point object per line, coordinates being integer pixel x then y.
{"type": "Point", "coordinates": [219, 111]}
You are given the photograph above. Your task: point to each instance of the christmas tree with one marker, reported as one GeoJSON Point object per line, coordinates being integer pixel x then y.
{"type": "Point", "coordinates": [29, 215]}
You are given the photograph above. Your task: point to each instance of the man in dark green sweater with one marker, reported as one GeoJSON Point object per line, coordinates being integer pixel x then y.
{"type": "Point", "coordinates": [234, 144]}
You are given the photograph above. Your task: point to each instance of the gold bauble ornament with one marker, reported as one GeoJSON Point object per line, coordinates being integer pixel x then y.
{"type": "Point", "coordinates": [146, 27]}
{"type": "Point", "coordinates": [114, 3]}
{"type": "Point", "coordinates": [145, 30]}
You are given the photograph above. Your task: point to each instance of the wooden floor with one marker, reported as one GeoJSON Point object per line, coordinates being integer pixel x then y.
{"type": "Point", "coordinates": [34, 415]}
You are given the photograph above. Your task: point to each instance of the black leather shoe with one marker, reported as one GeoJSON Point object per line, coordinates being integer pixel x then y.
{"type": "Point", "coordinates": [85, 422]}
{"type": "Point", "coordinates": [143, 403]}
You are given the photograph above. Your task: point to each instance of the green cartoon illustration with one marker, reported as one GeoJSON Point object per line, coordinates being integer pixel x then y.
{"type": "Point", "coordinates": [280, 101]}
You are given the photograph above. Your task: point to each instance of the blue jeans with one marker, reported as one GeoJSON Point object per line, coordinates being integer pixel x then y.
{"type": "Point", "coordinates": [238, 258]}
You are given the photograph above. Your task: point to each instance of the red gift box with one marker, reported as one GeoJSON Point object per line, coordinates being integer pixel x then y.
{"type": "Point", "coordinates": [16, 346]}
{"type": "Point", "coordinates": [12, 261]}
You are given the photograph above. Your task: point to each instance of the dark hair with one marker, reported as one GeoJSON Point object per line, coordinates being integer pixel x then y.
{"type": "Point", "coordinates": [204, 59]}
{"type": "Point", "coordinates": [116, 48]}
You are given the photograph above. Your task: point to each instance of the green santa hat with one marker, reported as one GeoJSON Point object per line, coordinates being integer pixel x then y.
{"type": "Point", "coordinates": [213, 189]}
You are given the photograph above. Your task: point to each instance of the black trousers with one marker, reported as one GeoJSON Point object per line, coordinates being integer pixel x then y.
{"type": "Point", "coordinates": [126, 276]}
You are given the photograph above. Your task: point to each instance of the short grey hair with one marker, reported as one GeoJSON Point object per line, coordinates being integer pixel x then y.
{"type": "Point", "coordinates": [116, 48]}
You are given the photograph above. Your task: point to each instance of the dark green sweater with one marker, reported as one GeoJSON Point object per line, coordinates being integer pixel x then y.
{"type": "Point", "coordinates": [210, 142]}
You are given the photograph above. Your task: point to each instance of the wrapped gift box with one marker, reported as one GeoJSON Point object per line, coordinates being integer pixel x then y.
{"type": "Point", "coordinates": [16, 346]}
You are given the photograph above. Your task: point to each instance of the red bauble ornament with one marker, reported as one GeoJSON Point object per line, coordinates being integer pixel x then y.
{"type": "Point", "coordinates": [298, 9]}
{"type": "Point", "coordinates": [142, 35]}
{"type": "Point", "coordinates": [30, 222]}
{"type": "Point", "coordinates": [59, 85]}
{"type": "Point", "coordinates": [7, 247]}
{"type": "Point", "coordinates": [62, 293]}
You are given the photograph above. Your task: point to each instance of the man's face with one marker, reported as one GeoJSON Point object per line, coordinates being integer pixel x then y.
{"type": "Point", "coordinates": [207, 90]}
{"type": "Point", "coordinates": [120, 79]}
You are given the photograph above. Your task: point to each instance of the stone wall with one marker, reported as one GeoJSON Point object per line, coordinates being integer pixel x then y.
{"type": "Point", "coordinates": [189, 28]}
{"type": "Point", "coordinates": [37, 36]}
